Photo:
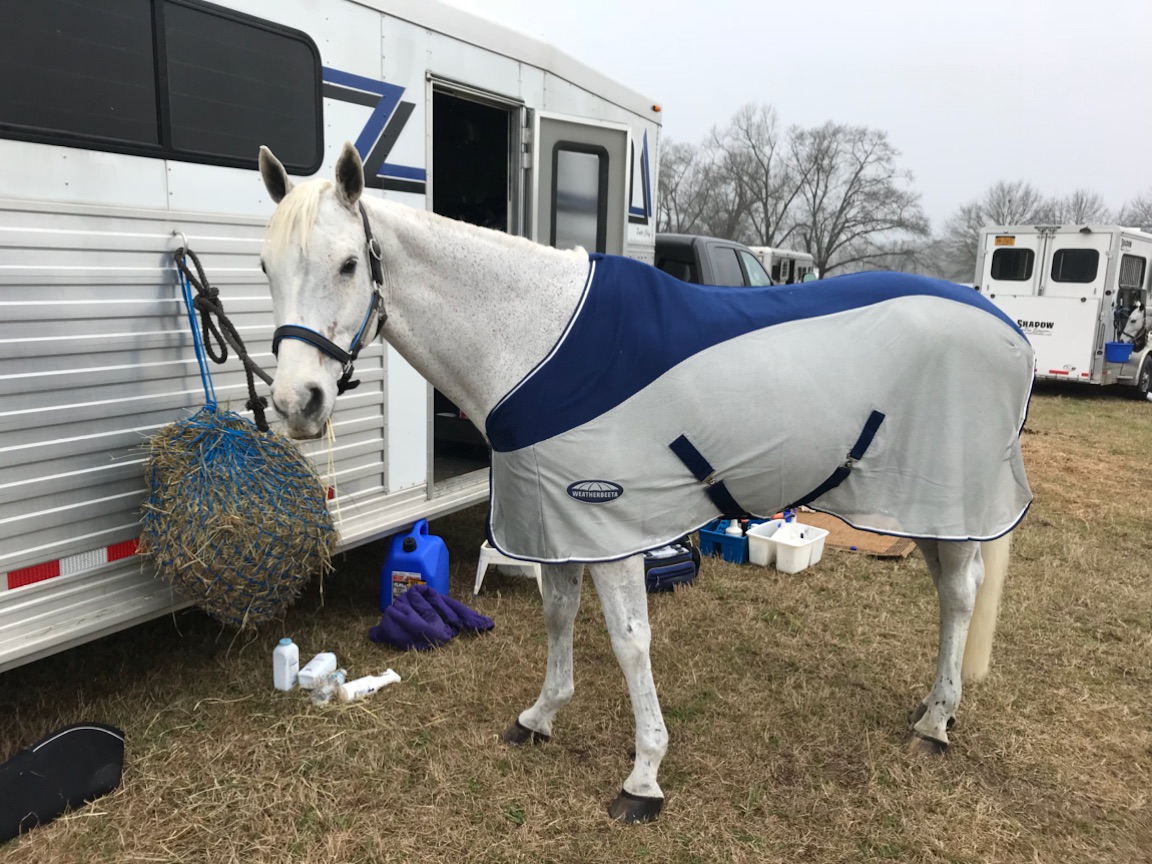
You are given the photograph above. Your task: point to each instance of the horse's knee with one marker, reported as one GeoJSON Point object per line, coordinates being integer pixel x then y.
{"type": "Point", "coordinates": [633, 641]}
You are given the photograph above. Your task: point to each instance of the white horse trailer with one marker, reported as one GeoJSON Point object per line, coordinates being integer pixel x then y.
{"type": "Point", "coordinates": [130, 126]}
{"type": "Point", "coordinates": [1073, 290]}
{"type": "Point", "coordinates": [786, 266]}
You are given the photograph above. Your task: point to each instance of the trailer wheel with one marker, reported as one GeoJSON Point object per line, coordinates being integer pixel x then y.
{"type": "Point", "coordinates": [1144, 380]}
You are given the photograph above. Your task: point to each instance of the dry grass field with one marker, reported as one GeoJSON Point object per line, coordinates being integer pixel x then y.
{"type": "Point", "coordinates": [785, 698]}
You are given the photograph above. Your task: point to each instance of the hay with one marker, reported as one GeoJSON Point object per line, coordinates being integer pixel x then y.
{"type": "Point", "coordinates": [236, 519]}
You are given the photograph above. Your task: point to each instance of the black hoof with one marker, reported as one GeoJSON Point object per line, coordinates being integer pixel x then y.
{"type": "Point", "coordinates": [635, 809]}
{"type": "Point", "coordinates": [518, 734]}
{"type": "Point", "coordinates": [922, 746]}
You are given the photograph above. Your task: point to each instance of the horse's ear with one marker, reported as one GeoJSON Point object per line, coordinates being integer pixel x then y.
{"type": "Point", "coordinates": [275, 177]}
{"type": "Point", "coordinates": [349, 175]}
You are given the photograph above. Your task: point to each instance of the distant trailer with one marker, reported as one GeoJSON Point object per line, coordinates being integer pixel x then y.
{"type": "Point", "coordinates": [127, 127]}
{"type": "Point", "coordinates": [1072, 289]}
{"type": "Point", "coordinates": [786, 266]}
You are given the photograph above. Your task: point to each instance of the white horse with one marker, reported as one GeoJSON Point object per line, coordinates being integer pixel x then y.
{"type": "Point", "coordinates": [1137, 326]}
{"type": "Point", "coordinates": [474, 311]}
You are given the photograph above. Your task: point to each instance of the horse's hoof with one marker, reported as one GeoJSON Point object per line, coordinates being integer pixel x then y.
{"type": "Point", "coordinates": [635, 809]}
{"type": "Point", "coordinates": [922, 746]}
{"type": "Point", "coordinates": [518, 734]}
{"type": "Point", "coordinates": [920, 710]}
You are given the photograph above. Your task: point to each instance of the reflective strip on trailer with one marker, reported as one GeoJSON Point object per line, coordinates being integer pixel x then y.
{"type": "Point", "coordinates": [72, 564]}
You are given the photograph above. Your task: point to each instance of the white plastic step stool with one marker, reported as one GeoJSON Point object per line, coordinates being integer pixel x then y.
{"type": "Point", "coordinates": [488, 555]}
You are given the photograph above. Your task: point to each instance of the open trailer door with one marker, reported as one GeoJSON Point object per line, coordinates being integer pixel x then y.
{"type": "Point", "coordinates": [580, 185]}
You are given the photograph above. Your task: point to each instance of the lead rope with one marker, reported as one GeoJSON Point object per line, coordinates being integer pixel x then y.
{"type": "Point", "coordinates": [214, 323]}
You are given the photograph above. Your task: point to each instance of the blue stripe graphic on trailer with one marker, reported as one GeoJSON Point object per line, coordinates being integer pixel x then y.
{"type": "Point", "coordinates": [641, 214]}
{"type": "Point", "coordinates": [387, 120]}
{"type": "Point", "coordinates": [403, 172]}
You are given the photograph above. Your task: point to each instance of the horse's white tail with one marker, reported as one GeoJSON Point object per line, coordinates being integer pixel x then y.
{"type": "Point", "coordinates": [981, 629]}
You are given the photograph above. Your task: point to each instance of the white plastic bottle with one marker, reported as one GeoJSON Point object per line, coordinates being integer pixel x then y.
{"type": "Point", "coordinates": [315, 668]}
{"type": "Point", "coordinates": [365, 686]}
{"type": "Point", "coordinates": [733, 528]}
{"type": "Point", "coordinates": [285, 664]}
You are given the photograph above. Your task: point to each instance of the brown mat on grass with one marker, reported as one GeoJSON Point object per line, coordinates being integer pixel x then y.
{"type": "Point", "coordinates": [842, 536]}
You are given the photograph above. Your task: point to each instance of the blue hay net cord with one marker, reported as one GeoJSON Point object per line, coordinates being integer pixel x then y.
{"type": "Point", "coordinates": [201, 357]}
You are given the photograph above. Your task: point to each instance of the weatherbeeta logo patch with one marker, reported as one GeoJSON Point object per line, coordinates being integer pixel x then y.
{"type": "Point", "coordinates": [595, 491]}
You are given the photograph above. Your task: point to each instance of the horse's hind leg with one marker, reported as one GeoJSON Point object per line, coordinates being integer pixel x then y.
{"type": "Point", "coordinates": [620, 585]}
{"type": "Point", "coordinates": [957, 569]}
{"type": "Point", "coordinates": [560, 586]}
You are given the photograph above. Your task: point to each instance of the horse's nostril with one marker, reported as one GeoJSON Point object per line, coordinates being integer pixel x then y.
{"type": "Point", "coordinates": [315, 402]}
{"type": "Point", "coordinates": [279, 410]}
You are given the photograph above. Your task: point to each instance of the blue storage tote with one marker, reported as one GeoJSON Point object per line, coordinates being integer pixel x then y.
{"type": "Point", "coordinates": [715, 543]}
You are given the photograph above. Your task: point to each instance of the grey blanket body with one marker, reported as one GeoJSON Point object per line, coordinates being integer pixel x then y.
{"type": "Point", "coordinates": [775, 412]}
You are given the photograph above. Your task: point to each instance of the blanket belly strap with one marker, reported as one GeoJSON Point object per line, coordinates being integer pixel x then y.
{"type": "Point", "coordinates": [702, 470]}
{"type": "Point", "coordinates": [854, 455]}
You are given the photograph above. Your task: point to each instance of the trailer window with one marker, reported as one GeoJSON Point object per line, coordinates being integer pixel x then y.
{"type": "Point", "coordinates": [1075, 265]}
{"type": "Point", "coordinates": [172, 79]}
{"type": "Point", "coordinates": [1012, 265]}
{"type": "Point", "coordinates": [1132, 271]}
{"type": "Point", "coordinates": [79, 68]}
{"type": "Point", "coordinates": [579, 196]}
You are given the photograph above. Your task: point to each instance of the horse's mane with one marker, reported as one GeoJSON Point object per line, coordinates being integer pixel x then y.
{"type": "Point", "coordinates": [292, 220]}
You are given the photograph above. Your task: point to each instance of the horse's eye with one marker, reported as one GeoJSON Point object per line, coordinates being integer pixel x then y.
{"type": "Point", "coordinates": [348, 268]}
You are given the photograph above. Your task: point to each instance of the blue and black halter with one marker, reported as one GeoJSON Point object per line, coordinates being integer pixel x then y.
{"type": "Point", "coordinates": [364, 335]}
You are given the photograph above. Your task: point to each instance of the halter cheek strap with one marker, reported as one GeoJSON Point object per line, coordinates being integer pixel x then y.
{"type": "Point", "coordinates": [364, 335]}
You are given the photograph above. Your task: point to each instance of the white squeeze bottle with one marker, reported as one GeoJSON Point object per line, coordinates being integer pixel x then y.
{"type": "Point", "coordinates": [365, 686]}
{"type": "Point", "coordinates": [316, 668]}
{"type": "Point", "coordinates": [285, 664]}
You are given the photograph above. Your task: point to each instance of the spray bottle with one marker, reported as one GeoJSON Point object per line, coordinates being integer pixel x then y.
{"type": "Point", "coordinates": [365, 686]}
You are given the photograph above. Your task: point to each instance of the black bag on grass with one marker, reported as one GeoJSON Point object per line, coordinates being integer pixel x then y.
{"type": "Point", "coordinates": [68, 768]}
{"type": "Point", "coordinates": [669, 566]}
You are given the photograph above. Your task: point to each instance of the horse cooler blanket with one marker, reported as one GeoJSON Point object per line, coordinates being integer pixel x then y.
{"type": "Point", "coordinates": [892, 401]}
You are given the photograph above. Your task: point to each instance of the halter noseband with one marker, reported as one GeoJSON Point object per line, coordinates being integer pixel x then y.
{"type": "Point", "coordinates": [363, 336]}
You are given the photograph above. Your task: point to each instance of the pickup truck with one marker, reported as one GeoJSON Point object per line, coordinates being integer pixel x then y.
{"type": "Point", "coordinates": [709, 261]}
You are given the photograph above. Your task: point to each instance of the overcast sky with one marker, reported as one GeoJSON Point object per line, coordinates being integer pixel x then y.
{"type": "Point", "coordinates": [1055, 92]}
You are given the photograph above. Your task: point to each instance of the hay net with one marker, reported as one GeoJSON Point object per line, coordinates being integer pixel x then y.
{"type": "Point", "coordinates": [236, 519]}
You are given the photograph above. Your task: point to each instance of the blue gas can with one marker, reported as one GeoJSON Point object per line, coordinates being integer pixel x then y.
{"type": "Point", "coordinates": [413, 558]}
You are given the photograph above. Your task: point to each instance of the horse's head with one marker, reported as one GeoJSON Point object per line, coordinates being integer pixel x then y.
{"type": "Point", "coordinates": [324, 271]}
{"type": "Point", "coordinates": [1134, 324]}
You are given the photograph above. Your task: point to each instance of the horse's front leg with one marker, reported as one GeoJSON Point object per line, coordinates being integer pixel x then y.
{"type": "Point", "coordinates": [624, 599]}
{"type": "Point", "coordinates": [560, 585]}
{"type": "Point", "coordinates": [957, 568]}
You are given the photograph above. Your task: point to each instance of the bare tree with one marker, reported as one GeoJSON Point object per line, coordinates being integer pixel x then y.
{"type": "Point", "coordinates": [1079, 208]}
{"type": "Point", "coordinates": [1138, 211]}
{"type": "Point", "coordinates": [1004, 203]}
{"type": "Point", "coordinates": [753, 160]}
{"type": "Point", "coordinates": [854, 204]}
{"type": "Point", "coordinates": [682, 192]}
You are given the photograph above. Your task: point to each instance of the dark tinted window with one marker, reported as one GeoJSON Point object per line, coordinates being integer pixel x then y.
{"type": "Point", "coordinates": [726, 267]}
{"type": "Point", "coordinates": [1012, 265]}
{"type": "Point", "coordinates": [682, 269]}
{"type": "Point", "coordinates": [79, 68]}
{"type": "Point", "coordinates": [85, 73]}
{"type": "Point", "coordinates": [233, 86]}
{"type": "Point", "coordinates": [1075, 265]}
